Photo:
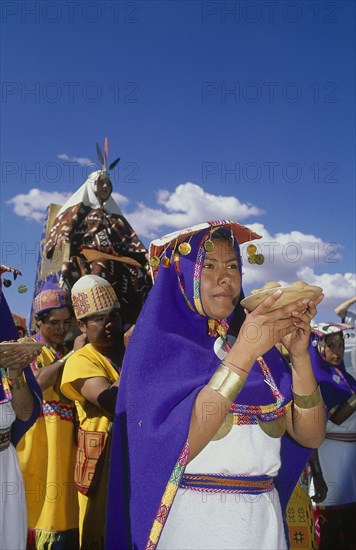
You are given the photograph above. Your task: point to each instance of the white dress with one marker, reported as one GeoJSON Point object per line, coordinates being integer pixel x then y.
{"type": "Point", "coordinates": [220, 521]}
{"type": "Point", "coordinates": [13, 521]}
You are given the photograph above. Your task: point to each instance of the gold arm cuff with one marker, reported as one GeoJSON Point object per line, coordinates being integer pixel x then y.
{"type": "Point", "coordinates": [308, 401]}
{"type": "Point", "coordinates": [226, 382]}
{"type": "Point", "coordinates": [17, 382]}
{"type": "Point", "coordinates": [352, 401]}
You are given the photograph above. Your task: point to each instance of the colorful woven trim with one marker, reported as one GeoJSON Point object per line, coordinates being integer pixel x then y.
{"type": "Point", "coordinates": [197, 274]}
{"type": "Point", "coordinates": [56, 408]}
{"type": "Point", "coordinates": [266, 413]}
{"type": "Point", "coordinates": [220, 483]}
{"type": "Point", "coordinates": [219, 328]}
{"type": "Point", "coordinates": [244, 419]}
{"type": "Point", "coordinates": [167, 499]}
{"type": "Point", "coordinates": [176, 260]}
{"type": "Point", "coordinates": [5, 435]}
{"type": "Point", "coordinates": [248, 419]}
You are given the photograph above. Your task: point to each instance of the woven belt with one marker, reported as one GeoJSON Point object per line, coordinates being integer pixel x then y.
{"type": "Point", "coordinates": [5, 434]}
{"type": "Point", "coordinates": [346, 437]}
{"type": "Point", "coordinates": [219, 483]}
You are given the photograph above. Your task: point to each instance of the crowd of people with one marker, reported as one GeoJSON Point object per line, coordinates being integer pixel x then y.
{"type": "Point", "coordinates": [192, 430]}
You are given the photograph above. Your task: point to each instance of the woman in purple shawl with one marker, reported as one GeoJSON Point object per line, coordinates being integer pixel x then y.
{"type": "Point", "coordinates": [334, 464]}
{"type": "Point", "coordinates": [20, 398]}
{"type": "Point", "coordinates": [200, 414]}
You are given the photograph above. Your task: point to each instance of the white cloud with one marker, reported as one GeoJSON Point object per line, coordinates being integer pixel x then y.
{"type": "Point", "coordinates": [336, 286]}
{"type": "Point", "coordinates": [82, 161]}
{"type": "Point", "coordinates": [187, 205]}
{"type": "Point", "coordinates": [296, 256]}
{"type": "Point", "coordinates": [287, 254]}
{"type": "Point", "coordinates": [121, 200]}
{"type": "Point", "coordinates": [34, 204]}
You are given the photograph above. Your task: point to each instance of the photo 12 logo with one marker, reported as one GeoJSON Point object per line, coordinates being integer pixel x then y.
{"type": "Point", "coordinates": [71, 171]}
{"type": "Point", "coordinates": [270, 171]}
{"type": "Point", "coordinates": [55, 12]}
{"type": "Point", "coordinates": [69, 92]}
{"type": "Point", "coordinates": [269, 11]}
{"type": "Point", "coordinates": [269, 92]}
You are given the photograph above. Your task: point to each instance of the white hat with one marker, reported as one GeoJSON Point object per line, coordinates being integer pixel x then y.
{"type": "Point", "coordinates": [324, 329]}
{"type": "Point", "coordinates": [92, 294]}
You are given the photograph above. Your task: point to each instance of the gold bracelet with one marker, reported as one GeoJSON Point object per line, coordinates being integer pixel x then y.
{"type": "Point", "coordinates": [17, 382]}
{"type": "Point", "coordinates": [308, 401]}
{"type": "Point", "coordinates": [352, 401]}
{"type": "Point", "coordinates": [226, 382]}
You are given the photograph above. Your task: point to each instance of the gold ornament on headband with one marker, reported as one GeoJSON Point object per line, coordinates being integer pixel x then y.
{"type": "Point", "coordinates": [154, 261]}
{"type": "Point", "coordinates": [251, 249]}
{"type": "Point", "coordinates": [254, 258]}
{"type": "Point", "coordinates": [165, 261]}
{"type": "Point", "coordinates": [209, 245]}
{"type": "Point", "coordinates": [184, 248]}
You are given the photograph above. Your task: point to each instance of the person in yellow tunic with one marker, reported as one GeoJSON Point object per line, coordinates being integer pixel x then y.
{"type": "Point", "coordinates": [47, 451]}
{"type": "Point", "coordinates": [91, 378]}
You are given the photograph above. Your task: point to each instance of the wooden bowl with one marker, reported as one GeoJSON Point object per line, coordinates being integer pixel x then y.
{"type": "Point", "coordinates": [290, 293]}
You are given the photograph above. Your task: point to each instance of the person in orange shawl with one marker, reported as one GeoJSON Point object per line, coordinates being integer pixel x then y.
{"type": "Point", "coordinates": [47, 452]}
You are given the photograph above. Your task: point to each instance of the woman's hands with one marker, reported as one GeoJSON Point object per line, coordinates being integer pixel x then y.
{"type": "Point", "coordinates": [264, 327]}
{"type": "Point", "coordinates": [297, 341]}
{"type": "Point", "coordinates": [16, 359]}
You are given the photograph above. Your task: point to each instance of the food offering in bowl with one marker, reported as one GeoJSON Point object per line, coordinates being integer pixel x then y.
{"type": "Point", "coordinates": [22, 344]}
{"type": "Point", "coordinates": [298, 290]}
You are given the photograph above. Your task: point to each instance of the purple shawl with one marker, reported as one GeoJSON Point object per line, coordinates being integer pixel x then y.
{"type": "Point", "coordinates": [8, 331]}
{"type": "Point", "coordinates": [169, 359]}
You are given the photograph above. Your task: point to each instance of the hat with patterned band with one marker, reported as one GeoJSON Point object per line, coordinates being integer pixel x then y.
{"type": "Point", "coordinates": [92, 295]}
{"type": "Point", "coordinates": [50, 297]}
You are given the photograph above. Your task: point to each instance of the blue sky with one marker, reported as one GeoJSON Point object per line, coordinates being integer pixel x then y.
{"type": "Point", "coordinates": [236, 109]}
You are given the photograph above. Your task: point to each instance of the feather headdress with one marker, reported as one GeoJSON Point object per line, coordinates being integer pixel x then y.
{"type": "Point", "coordinates": [103, 159]}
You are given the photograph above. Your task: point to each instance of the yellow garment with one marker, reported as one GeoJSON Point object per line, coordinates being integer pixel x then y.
{"type": "Point", "coordinates": [47, 459]}
{"type": "Point", "coordinates": [89, 363]}
{"type": "Point", "coordinates": [300, 520]}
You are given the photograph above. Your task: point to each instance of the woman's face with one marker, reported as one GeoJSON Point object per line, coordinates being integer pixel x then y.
{"type": "Point", "coordinates": [220, 283]}
{"type": "Point", "coordinates": [334, 349]}
{"type": "Point", "coordinates": [54, 327]}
